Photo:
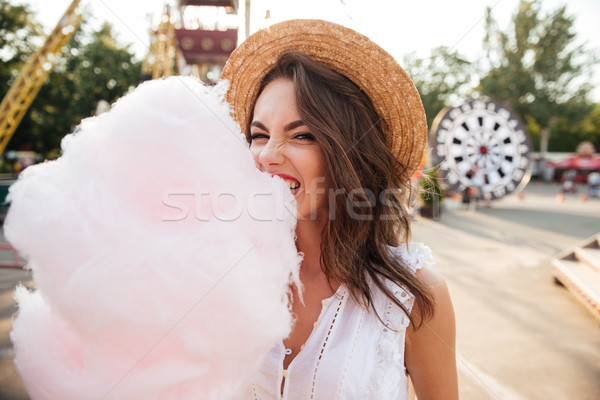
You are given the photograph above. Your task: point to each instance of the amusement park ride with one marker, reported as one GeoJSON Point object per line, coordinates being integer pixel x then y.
{"type": "Point", "coordinates": [482, 147]}
{"type": "Point", "coordinates": [195, 50]}
{"type": "Point", "coordinates": [159, 59]}
{"type": "Point", "coordinates": [21, 94]}
{"type": "Point", "coordinates": [191, 47]}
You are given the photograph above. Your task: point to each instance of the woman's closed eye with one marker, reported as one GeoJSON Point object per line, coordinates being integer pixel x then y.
{"type": "Point", "coordinates": [257, 135]}
{"type": "Point", "coordinates": [304, 136]}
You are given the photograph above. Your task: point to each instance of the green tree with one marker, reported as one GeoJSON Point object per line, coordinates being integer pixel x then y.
{"type": "Point", "coordinates": [92, 67]}
{"type": "Point", "coordinates": [442, 79]}
{"type": "Point", "coordinates": [537, 68]}
{"type": "Point", "coordinates": [590, 127]}
{"type": "Point", "coordinates": [18, 36]}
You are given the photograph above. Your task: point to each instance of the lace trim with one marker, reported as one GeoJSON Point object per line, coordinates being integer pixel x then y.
{"type": "Point", "coordinates": [390, 371]}
{"type": "Point", "coordinates": [415, 255]}
{"type": "Point", "coordinates": [324, 345]}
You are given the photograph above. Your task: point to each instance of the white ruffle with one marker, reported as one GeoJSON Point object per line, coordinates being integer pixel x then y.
{"type": "Point", "coordinates": [415, 255]}
{"type": "Point", "coordinates": [389, 377]}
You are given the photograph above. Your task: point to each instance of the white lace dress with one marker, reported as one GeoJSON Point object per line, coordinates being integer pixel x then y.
{"type": "Point", "coordinates": [350, 354]}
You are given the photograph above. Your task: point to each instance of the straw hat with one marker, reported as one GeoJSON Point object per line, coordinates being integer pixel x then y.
{"type": "Point", "coordinates": [347, 52]}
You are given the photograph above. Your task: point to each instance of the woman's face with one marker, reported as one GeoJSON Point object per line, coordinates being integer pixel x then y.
{"type": "Point", "coordinates": [283, 145]}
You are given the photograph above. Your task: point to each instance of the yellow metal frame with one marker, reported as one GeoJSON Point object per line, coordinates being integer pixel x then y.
{"type": "Point", "coordinates": [21, 94]}
{"type": "Point", "coordinates": [161, 54]}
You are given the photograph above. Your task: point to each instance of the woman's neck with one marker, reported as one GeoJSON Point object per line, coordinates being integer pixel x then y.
{"type": "Point", "coordinates": [308, 241]}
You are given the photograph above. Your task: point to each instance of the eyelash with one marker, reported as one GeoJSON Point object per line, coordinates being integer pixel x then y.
{"type": "Point", "coordinates": [300, 136]}
{"type": "Point", "coordinates": [305, 136]}
{"type": "Point", "coordinates": [254, 136]}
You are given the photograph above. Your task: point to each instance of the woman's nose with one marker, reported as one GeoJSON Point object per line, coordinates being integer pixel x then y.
{"type": "Point", "coordinates": [271, 154]}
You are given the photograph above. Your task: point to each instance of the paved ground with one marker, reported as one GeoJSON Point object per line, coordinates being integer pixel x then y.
{"type": "Point", "coordinates": [11, 387]}
{"type": "Point", "coordinates": [520, 336]}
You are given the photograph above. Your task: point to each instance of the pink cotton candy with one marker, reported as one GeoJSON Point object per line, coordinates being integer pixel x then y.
{"type": "Point", "coordinates": [162, 257]}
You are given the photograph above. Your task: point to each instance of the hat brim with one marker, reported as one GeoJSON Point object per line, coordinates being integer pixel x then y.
{"type": "Point", "coordinates": [347, 52]}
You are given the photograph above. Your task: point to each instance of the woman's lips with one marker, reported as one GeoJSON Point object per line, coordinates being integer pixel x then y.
{"type": "Point", "coordinates": [293, 183]}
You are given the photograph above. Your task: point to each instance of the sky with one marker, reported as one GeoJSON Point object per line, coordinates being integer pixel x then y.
{"type": "Point", "coordinates": [399, 26]}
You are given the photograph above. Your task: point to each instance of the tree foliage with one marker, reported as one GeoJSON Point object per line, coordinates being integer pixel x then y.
{"type": "Point", "coordinates": [93, 66]}
{"type": "Point", "coordinates": [534, 66]}
{"type": "Point", "coordinates": [590, 127]}
{"type": "Point", "coordinates": [538, 69]}
{"type": "Point", "coordinates": [18, 34]}
{"type": "Point", "coordinates": [441, 79]}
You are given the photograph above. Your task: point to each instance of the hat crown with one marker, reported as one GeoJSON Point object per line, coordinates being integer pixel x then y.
{"type": "Point", "coordinates": [347, 52]}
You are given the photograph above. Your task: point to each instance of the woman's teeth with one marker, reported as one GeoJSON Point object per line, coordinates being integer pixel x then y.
{"type": "Point", "coordinates": [293, 185]}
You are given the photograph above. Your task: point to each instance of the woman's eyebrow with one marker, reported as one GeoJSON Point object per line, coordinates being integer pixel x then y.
{"type": "Point", "coordinates": [293, 125]}
{"type": "Point", "coordinates": [288, 127]}
{"type": "Point", "coordinates": [259, 125]}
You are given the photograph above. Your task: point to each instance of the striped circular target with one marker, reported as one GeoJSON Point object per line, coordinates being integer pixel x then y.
{"type": "Point", "coordinates": [481, 145]}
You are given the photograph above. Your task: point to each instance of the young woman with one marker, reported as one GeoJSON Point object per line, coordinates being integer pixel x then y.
{"type": "Point", "coordinates": [337, 118]}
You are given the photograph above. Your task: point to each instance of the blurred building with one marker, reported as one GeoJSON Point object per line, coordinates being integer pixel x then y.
{"type": "Point", "coordinates": [195, 38]}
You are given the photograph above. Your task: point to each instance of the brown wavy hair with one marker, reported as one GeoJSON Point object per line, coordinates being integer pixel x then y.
{"type": "Point", "coordinates": [362, 168]}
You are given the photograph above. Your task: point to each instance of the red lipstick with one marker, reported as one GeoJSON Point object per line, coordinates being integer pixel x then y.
{"type": "Point", "coordinates": [289, 177]}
